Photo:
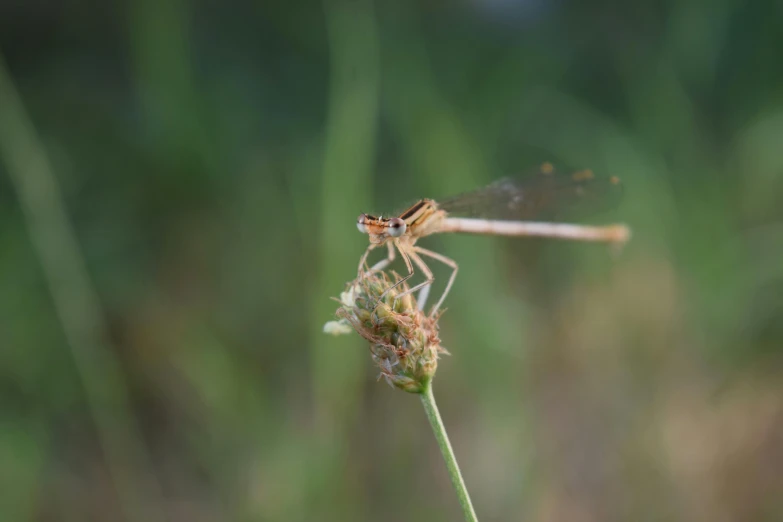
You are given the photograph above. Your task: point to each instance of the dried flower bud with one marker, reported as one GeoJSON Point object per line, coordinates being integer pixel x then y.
{"type": "Point", "coordinates": [403, 340]}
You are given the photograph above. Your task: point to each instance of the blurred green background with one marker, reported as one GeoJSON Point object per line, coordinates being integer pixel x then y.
{"type": "Point", "coordinates": [179, 183]}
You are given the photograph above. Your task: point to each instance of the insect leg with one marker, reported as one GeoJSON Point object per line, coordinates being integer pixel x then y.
{"type": "Point", "coordinates": [423, 286]}
{"type": "Point", "coordinates": [406, 256]}
{"type": "Point", "coordinates": [446, 261]}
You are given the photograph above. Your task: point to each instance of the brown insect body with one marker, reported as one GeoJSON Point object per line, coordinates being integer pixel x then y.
{"type": "Point", "coordinates": [505, 208]}
{"type": "Point", "coordinates": [421, 219]}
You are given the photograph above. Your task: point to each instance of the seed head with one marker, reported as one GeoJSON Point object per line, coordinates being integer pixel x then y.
{"type": "Point", "coordinates": [403, 340]}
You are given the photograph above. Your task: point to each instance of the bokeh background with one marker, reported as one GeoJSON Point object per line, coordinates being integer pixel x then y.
{"type": "Point", "coordinates": [179, 183]}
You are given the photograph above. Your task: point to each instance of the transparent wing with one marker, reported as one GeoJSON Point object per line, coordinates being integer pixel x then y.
{"type": "Point", "coordinates": [544, 195]}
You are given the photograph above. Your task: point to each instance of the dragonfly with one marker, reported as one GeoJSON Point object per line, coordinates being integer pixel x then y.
{"type": "Point", "coordinates": [507, 207]}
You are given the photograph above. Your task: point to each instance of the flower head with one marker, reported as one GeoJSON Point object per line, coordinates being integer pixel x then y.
{"type": "Point", "coordinates": [404, 341]}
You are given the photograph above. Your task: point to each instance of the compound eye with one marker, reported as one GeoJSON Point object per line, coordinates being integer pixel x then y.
{"type": "Point", "coordinates": [396, 227]}
{"type": "Point", "coordinates": [361, 223]}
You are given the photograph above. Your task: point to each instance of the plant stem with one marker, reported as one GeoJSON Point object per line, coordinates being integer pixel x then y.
{"type": "Point", "coordinates": [431, 408]}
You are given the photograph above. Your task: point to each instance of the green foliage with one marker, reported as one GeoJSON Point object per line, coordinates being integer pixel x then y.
{"type": "Point", "coordinates": [212, 160]}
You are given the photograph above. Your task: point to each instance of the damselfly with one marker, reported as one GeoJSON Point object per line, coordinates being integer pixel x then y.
{"type": "Point", "coordinates": [504, 208]}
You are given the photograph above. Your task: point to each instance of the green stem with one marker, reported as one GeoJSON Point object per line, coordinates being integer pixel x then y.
{"type": "Point", "coordinates": [431, 408]}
